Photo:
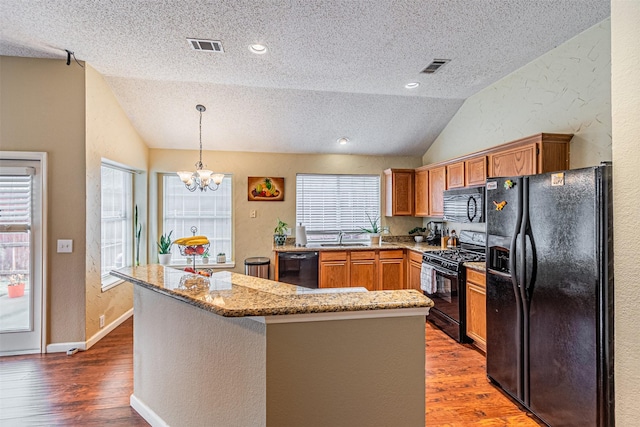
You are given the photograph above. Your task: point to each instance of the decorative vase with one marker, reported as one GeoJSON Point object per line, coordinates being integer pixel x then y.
{"type": "Point", "coordinates": [280, 239]}
{"type": "Point", "coordinates": [221, 259]}
{"type": "Point", "coordinates": [418, 239]}
{"type": "Point", "coordinates": [375, 238]}
{"type": "Point", "coordinates": [16, 290]}
{"type": "Point", "coordinates": [205, 260]}
{"type": "Point", "coordinates": [165, 259]}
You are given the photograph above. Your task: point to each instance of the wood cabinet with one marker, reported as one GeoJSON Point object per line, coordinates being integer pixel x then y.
{"type": "Point", "coordinates": [334, 269]}
{"type": "Point", "coordinates": [540, 153]}
{"type": "Point", "coordinates": [414, 269]}
{"type": "Point", "coordinates": [391, 270]}
{"type": "Point", "coordinates": [476, 308]}
{"type": "Point", "coordinates": [437, 184]}
{"type": "Point", "coordinates": [399, 192]}
{"type": "Point", "coordinates": [475, 171]}
{"type": "Point", "coordinates": [455, 175]}
{"type": "Point", "coordinates": [421, 207]}
{"type": "Point", "coordinates": [363, 268]}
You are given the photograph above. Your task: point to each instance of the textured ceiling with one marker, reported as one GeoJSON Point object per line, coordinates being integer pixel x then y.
{"type": "Point", "coordinates": [333, 68]}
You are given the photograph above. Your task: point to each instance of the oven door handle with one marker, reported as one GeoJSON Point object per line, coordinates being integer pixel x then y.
{"type": "Point", "coordinates": [442, 270]}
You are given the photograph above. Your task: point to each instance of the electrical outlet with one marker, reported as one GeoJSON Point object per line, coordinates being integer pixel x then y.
{"type": "Point", "coordinates": [102, 321]}
{"type": "Point", "coordinates": [252, 213]}
{"type": "Point", "coordinates": [65, 246]}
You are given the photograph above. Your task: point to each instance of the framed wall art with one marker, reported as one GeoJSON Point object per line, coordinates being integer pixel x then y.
{"type": "Point", "coordinates": [264, 189]}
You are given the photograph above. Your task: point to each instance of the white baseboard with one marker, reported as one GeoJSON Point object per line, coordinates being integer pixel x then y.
{"type": "Point", "coordinates": [147, 413]}
{"type": "Point", "coordinates": [85, 345]}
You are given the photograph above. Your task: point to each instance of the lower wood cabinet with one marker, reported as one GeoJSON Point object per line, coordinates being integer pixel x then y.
{"type": "Point", "coordinates": [391, 270]}
{"type": "Point", "coordinates": [374, 270]}
{"type": "Point", "coordinates": [477, 308]}
{"type": "Point", "coordinates": [334, 269]}
{"type": "Point", "coordinates": [415, 267]}
{"type": "Point", "coordinates": [364, 269]}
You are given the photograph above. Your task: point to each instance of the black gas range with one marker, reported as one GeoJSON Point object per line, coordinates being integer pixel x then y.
{"type": "Point", "coordinates": [443, 279]}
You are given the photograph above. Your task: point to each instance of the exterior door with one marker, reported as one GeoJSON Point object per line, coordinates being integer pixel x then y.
{"type": "Point", "coordinates": [21, 253]}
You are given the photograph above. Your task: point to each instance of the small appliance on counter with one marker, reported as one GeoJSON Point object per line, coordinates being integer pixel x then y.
{"type": "Point", "coordinates": [435, 231]}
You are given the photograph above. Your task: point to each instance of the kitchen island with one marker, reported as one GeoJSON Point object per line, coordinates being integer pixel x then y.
{"type": "Point", "coordinates": [235, 350]}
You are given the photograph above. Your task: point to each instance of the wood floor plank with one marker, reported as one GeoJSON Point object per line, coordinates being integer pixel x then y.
{"type": "Point", "coordinates": [92, 388]}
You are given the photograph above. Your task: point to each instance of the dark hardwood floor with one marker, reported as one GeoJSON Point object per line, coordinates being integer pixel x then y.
{"type": "Point", "coordinates": [92, 388]}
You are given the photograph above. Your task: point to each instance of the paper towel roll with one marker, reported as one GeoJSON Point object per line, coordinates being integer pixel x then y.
{"type": "Point", "coordinates": [301, 235]}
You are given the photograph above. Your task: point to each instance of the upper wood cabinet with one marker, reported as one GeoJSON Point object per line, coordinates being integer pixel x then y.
{"type": "Point", "coordinates": [437, 184]}
{"type": "Point", "coordinates": [541, 153]}
{"type": "Point", "coordinates": [475, 171]}
{"type": "Point", "coordinates": [455, 175]}
{"type": "Point", "coordinates": [421, 207]}
{"type": "Point", "coordinates": [399, 192]}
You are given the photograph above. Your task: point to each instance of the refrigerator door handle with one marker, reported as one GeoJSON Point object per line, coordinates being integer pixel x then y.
{"type": "Point", "coordinates": [513, 255]}
{"type": "Point", "coordinates": [524, 224]}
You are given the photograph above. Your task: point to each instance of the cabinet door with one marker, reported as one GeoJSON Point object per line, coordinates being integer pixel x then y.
{"type": "Point", "coordinates": [514, 162]}
{"type": "Point", "coordinates": [437, 184]}
{"type": "Point", "coordinates": [475, 171]}
{"type": "Point", "coordinates": [476, 309]}
{"type": "Point", "coordinates": [422, 193]}
{"type": "Point", "coordinates": [334, 270]}
{"type": "Point", "coordinates": [399, 192]}
{"type": "Point", "coordinates": [364, 274]}
{"type": "Point", "coordinates": [391, 270]}
{"type": "Point", "coordinates": [455, 175]}
{"type": "Point", "coordinates": [414, 275]}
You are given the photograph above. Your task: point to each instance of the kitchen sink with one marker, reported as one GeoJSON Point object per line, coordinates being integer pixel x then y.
{"type": "Point", "coordinates": [340, 245]}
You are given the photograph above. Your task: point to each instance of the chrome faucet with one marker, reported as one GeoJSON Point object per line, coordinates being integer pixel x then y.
{"type": "Point", "coordinates": [340, 235]}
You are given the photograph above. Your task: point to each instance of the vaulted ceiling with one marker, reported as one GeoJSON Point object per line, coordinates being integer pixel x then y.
{"type": "Point", "coordinates": [332, 68]}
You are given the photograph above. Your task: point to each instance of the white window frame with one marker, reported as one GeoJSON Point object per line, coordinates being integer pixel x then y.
{"type": "Point", "coordinates": [126, 217]}
{"type": "Point", "coordinates": [331, 208]}
{"type": "Point", "coordinates": [220, 240]}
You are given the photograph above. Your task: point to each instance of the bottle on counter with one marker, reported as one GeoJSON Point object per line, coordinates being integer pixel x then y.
{"type": "Point", "coordinates": [453, 239]}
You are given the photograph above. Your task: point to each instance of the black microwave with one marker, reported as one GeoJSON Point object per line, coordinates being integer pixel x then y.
{"type": "Point", "coordinates": [464, 205]}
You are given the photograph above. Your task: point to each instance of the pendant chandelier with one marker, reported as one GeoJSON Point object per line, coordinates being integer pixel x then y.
{"type": "Point", "coordinates": [202, 179]}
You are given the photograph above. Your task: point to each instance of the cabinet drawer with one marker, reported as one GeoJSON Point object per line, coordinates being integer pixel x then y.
{"type": "Point", "coordinates": [475, 276]}
{"type": "Point", "coordinates": [363, 254]}
{"type": "Point", "coordinates": [415, 256]}
{"type": "Point", "coordinates": [392, 254]}
{"type": "Point", "coordinates": [333, 256]}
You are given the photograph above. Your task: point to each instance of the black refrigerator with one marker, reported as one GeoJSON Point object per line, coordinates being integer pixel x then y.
{"type": "Point", "coordinates": [550, 294]}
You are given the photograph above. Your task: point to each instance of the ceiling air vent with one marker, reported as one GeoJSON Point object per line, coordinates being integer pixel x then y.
{"type": "Point", "coordinates": [435, 66]}
{"type": "Point", "coordinates": [206, 45]}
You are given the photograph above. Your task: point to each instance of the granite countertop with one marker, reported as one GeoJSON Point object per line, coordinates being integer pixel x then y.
{"type": "Point", "coordinates": [480, 266]}
{"type": "Point", "coordinates": [418, 247]}
{"type": "Point", "coordinates": [236, 295]}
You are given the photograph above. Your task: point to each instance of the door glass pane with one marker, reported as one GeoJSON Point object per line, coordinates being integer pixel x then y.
{"type": "Point", "coordinates": [15, 295]}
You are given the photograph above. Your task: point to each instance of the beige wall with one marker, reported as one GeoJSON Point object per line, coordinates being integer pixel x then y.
{"type": "Point", "coordinates": [566, 90]}
{"type": "Point", "coordinates": [254, 236]}
{"type": "Point", "coordinates": [625, 97]}
{"type": "Point", "coordinates": [110, 136]}
{"type": "Point", "coordinates": [42, 108]}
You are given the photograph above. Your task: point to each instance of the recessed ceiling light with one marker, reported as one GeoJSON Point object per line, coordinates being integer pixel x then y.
{"type": "Point", "coordinates": [343, 140]}
{"type": "Point", "coordinates": [412, 85]}
{"type": "Point", "coordinates": [258, 48]}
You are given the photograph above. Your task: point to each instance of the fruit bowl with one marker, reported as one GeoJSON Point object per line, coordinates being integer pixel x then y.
{"type": "Point", "coordinates": [193, 250]}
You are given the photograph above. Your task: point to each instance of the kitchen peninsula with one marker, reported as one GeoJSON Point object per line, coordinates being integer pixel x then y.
{"type": "Point", "coordinates": [231, 350]}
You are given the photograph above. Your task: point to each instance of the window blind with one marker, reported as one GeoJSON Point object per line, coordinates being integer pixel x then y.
{"type": "Point", "coordinates": [337, 202]}
{"type": "Point", "coordinates": [209, 211]}
{"type": "Point", "coordinates": [117, 219]}
{"type": "Point", "coordinates": [15, 198]}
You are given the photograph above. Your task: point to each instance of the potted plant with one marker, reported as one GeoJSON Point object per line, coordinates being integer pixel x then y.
{"type": "Point", "coordinates": [221, 258]}
{"type": "Point", "coordinates": [205, 256]}
{"type": "Point", "coordinates": [419, 237]}
{"type": "Point", "coordinates": [280, 237]}
{"type": "Point", "coordinates": [16, 285]}
{"type": "Point", "coordinates": [374, 230]}
{"type": "Point", "coordinates": [164, 248]}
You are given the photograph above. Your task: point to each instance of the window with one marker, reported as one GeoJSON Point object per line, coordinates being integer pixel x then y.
{"type": "Point", "coordinates": [117, 221]}
{"type": "Point", "coordinates": [329, 204]}
{"type": "Point", "coordinates": [209, 211]}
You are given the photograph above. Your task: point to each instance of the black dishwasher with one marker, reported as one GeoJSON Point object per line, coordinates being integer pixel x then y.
{"type": "Point", "coordinates": [298, 268]}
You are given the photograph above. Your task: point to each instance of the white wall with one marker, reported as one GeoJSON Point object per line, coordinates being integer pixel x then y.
{"type": "Point", "coordinates": [625, 97]}
{"type": "Point", "coordinates": [566, 90]}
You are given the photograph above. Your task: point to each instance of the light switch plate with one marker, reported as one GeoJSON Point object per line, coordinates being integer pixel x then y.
{"type": "Point", "coordinates": [65, 246]}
